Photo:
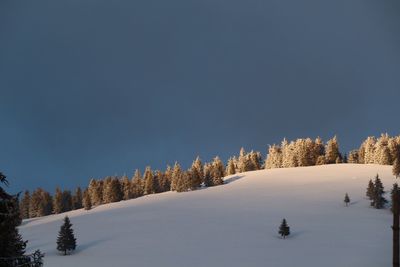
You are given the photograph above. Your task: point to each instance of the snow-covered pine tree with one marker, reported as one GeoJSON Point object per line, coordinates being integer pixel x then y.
{"type": "Point", "coordinates": [369, 150]}
{"type": "Point", "coordinates": [66, 240]}
{"type": "Point", "coordinates": [58, 201]}
{"type": "Point", "coordinates": [96, 192]}
{"type": "Point", "coordinates": [396, 167]}
{"type": "Point", "coordinates": [87, 204]}
{"type": "Point", "coordinates": [148, 181]}
{"type": "Point", "coordinates": [158, 176]}
{"type": "Point", "coordinates": [274, 157]}
{"type": "Point", "coordinates": [284, 229]}
{"type": "Point", "coordinates": [196, 173]}
{"type": "Point", "coordinates": [332, 151]}
{"type": "Point", "coordinates": [218, 171]}
{"type": "Point", "coordinates": [163, 180]}
{"type": "Point", "coordinates": [126, 187]}
{"type": "Point", "coordinates": [320, 160]}
{"type": "Point", "coordinates": [137, 185]}
{"type": "Point", "coordinates": [378, 200]}
{"type": "Point", "coordinates": [208, 180]}
{"type": "Point", "coordinates": [176, 176]}
{"type": "Point", "coordinates": [112, 190]}
{"type": "Point", "coordinates": [353, 157]}
{"type": "Point", "coordinates": [24, 205]}
{"type": "Point", "coordinates": [230, 168]}
{"type": "Point", "coordinates": [346, 200]}
{"type": "Point", "coordinates": [77, 199]}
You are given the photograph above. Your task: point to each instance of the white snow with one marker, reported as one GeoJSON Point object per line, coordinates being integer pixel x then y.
{"type": "Point", "coordinates": [234, 225]}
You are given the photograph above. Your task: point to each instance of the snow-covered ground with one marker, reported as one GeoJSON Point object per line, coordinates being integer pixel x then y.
{"type": "Point", "coordinates": [234, 225]}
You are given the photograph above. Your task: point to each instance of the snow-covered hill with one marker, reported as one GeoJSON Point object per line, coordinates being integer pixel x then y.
{"type": "Point", "coordinates": [234, 225]}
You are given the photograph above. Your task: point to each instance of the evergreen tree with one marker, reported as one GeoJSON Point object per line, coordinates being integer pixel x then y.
{"type": "Point", "coordinates": [230, 168]}
{"type": "Point", "coordinates": [96, 192]}
{"type": "Point", "coordinates": [163, 180]}
{"type": "Point", "coordinates": [346, 199]}
{"type": "Point", "coordinates": [332, 151]}
{"type": "Point", "coordinates": [378, 200]}
{"type": "Point", "coordinates": [396, 167]}
{"type": "Point", "coordinates": [112, 190]}
{"type": "Point", "coordinates": [218, 171]}
{"type": "Point", "coordinates": [24, 205]}
{"type": "Point", "coordinates": [11, 243]}
{"type": "Point", "coordinates": [87, 204]}
{"type": "Point", "coordinates": [77, 199]}
{"type": "Point", "coordinates": [196, 174]}
{"type": "Point", "coordinates": [284, 229]}
{"type": "Point", "coordinates": [353, 157]}
{"type": "Point", "coordinates": [176, 176]}
{"type": "Point", "coordinates": [208, 179]}
{"type": "Point", "coordinates": [370, 190]}
{"type": "Point", "coordinates": [158, 177]}
{"type": "Point", "coordinates": [137, 185]}
{"type": "Point", "coordinates": [126, 188]}
{"type": "Point", "coordinates": [66, 201]}
{"type": "Point", "coordinates": [320, 160]}
{"type": "Point", "coordinates": [148, 181]}
{"type": "Point", "coordinates": [66, 240]}
{"type": "Point", "coordinates": [12, 247]}
{"type": "Point", "coordinates": [58, 201]}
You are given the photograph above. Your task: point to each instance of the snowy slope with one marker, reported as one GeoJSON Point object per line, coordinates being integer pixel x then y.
{"type": "Point", "coordinates": [234, 224]}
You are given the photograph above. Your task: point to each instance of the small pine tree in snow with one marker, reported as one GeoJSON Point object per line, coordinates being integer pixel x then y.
{"type": "Point", "coordinates": [77, 199]}
{"type": "Point", "coordinates": [378, 200]}
{"type": "Point", "coordinates": [208, 180]}
{"type": "Point", "coordinates": [332, 151]}
{"type": "Point", "coordinates": [284, 229]}
{"type": "Point", "coordinates": [196, 171]}
{"type": "Point", "coordinates": [66, 240]}
{"type": "Point", "coordinates": [218, 171]}
{"type": "Point", "coordinates": [346, 200]}
{"type": "Point", "coordinates": [370, 190]}
{"type": "Point", "coordinates": [137, 185]}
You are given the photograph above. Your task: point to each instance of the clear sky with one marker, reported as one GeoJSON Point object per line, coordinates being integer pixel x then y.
{"type": "Point", "coordinates": [90, 88]}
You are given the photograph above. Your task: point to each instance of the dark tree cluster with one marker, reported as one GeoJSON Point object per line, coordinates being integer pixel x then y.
{"type": "Point", "coordinates": [376, 192]}
{"type": "Point", "coordinates": [12, 247]}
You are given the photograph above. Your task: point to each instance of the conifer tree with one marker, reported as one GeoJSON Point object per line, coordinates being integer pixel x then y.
{"type": "Point", "coordinates": [148, 181]}
{"type": "Point", "coordinates": [77, 199]}
{"type": "Point", "coordinates": [158, 177]}
{"type": "Point", "coordinates": [346, 199]}
{"type": "Point", "coordinates": [284, 229]}
{"type": "Point", "coordinates": [11, 243]}
{"type": "Point", "coordinates": [208, 179]}
{"type": "Point", "coordinates": [66, 201]}
{"type": "Point", "coordinates": [96, 192]}
{"type": "Point", "coordinates": [370, 190]}
{"type": "Point", "coordinates": [230, 168]}
{"type": "Point", "coordinates": [353, 157]}
{"type": "Point", "coordinates": [66, 240]}
{"type": "Point", "coordinates": [320, 160]}
{"type": "Point", "coordinates": [126, 188]}
{"type": "Point", "coordinates": [24, 205]}
{"type": "Point", "coordinates": [378, 200]}
{"type": "Point", "coordinates": [176, 175]}
{"type": "Point", "coordinates": [58, 201]}
{"type": "Point", "coordinates": [112, 190]}
{"type": "Point", "coordinates": [87, 204]}
{"type": "Point", "coordinates": [137, 185]}
{"type": "Point", "coordinates": [218, 171]}
{"type": "Point", "coordinates": [396, 167]}
{"type": "Point", "coordinates": [332, 151]}
{"type": "Point", "coordinates": [163, 180]}
{"type": "Point", "coordinates": [196, 174]}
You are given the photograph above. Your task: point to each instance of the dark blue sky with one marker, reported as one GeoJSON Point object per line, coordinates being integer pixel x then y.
{"type": "Point", "coordinates": [90, 88]}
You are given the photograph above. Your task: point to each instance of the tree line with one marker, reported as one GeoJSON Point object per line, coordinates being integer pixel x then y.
{"type": "Point", "coordinates": [301, 152]}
